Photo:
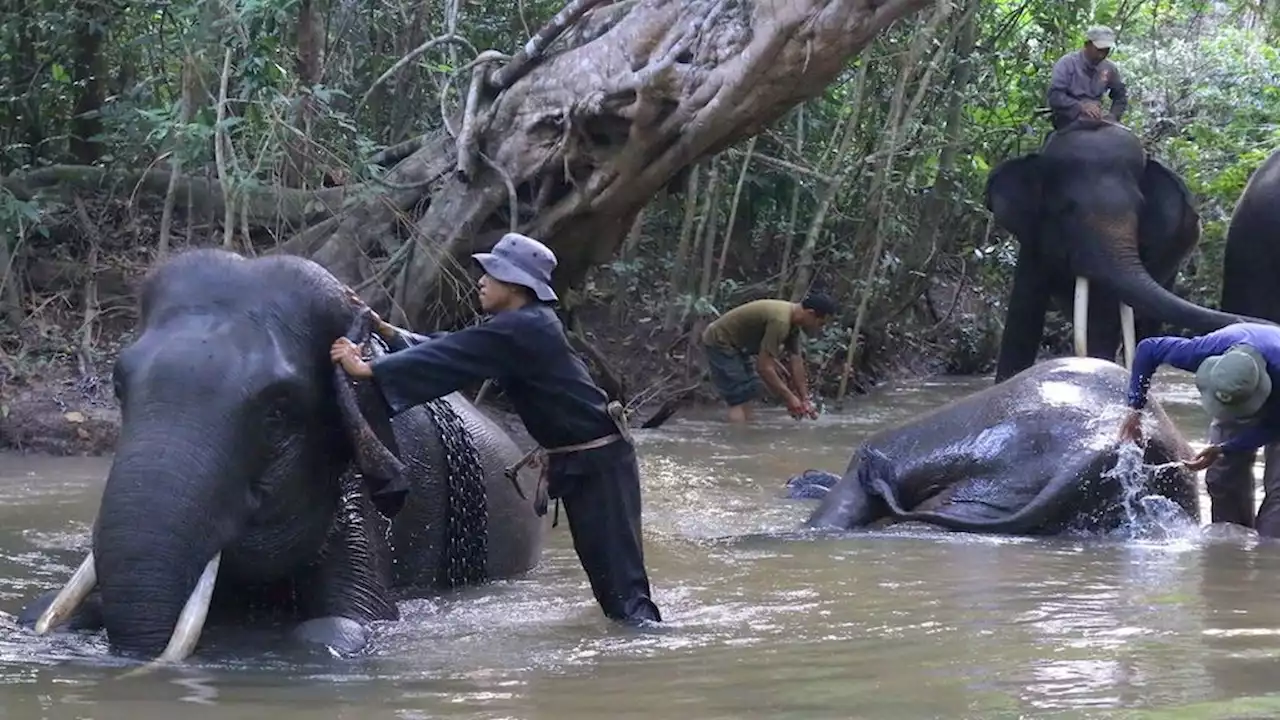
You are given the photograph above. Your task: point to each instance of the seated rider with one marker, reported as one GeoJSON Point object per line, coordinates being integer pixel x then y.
{"type": "Point", "coordinates": [591, 462]}
{"type": "Point", "coordinates": [1080, 78]}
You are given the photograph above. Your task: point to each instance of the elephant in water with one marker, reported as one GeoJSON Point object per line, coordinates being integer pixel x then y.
{"type": "Point", "coordinates": [247, 458]}
{"type": "Point", "coordinates": [1092, 211]}
{"type": "Point", "coordinates": [1030, 456]}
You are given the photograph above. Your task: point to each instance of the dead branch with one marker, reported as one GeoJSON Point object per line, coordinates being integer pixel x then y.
{"type": "Point", "coordinates": [220, 142]}
{"type": "Point", "coordinates": [532, 51]}
{"type": "Point", "coordinates": [670, 406]}
{"type": "Point", "coordinates": [84, 355]}
{"type": "Point", "coordinates": [394, 154]}
{"type": "Point", "coordinates": [266, 206]}
{"type": "Point", "coordinates": [413, 55]}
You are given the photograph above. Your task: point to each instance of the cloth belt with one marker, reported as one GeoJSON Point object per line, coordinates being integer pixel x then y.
{"type": "Point", "coordinates": [537, 458]}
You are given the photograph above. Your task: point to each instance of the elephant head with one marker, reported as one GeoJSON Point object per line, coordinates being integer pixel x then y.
{"type": "Point", "coordinates": [1092, 205]}
{"type": "Point", "coordinates": [236, 434]}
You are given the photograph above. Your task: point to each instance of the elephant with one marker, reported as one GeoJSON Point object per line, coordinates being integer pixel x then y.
{"type": "Point", "coordinates": [810, 484]}
{"type": "Point", "coordinates": [1030, 456]}
{"type": "Point", "coordinates": [246, 457]}
{"type": "Point", "coordinates": [1092, 207]}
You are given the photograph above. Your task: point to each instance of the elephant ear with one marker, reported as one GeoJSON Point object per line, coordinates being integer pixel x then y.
{"type": "Point", "coordinates": [1013, 194]}
{"type": "Point", "coordinates": [366, 419]}
{"type": "Point", "coordinates": [1169, 215]}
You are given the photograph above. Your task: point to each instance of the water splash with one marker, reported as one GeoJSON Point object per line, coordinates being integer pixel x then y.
{"type": "Point", "coordinates": [1147, 516]}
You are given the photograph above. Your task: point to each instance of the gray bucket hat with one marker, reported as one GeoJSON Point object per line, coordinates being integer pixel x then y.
{"type": "Point", "coordinates": [1235, 384]}
{"type": "Point", "coordinates": [521, 260]}
{"type": "Point", "coordinates": [1101, 36]}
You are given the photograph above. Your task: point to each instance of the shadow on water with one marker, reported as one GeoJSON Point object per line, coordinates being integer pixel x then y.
{"type": "Point", "coordinates": [763, 620]}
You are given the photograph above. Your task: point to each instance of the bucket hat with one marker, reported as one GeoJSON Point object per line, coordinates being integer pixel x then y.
{"type": "Point", "coordinates": [1235, 384]}
{"type": "Point", "coordinates": [521, 260]}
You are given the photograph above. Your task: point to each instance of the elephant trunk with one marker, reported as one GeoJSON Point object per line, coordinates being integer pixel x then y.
{"type": "Point", "coordinates": [1110, 257]}
{"type": "Point", "coordinates": [152, 553]}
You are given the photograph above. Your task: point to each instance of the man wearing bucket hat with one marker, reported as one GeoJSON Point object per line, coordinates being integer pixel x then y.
{"type": "Point", "coordinates": [1236, 368]}
{"type": "Point", "coordinates": [590, 462]}
{"type": "Point", "coordinates": [1081, 77]}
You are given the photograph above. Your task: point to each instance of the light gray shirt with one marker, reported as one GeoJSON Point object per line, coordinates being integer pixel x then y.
{"type": "Point", "coordinates": [1075, 80]}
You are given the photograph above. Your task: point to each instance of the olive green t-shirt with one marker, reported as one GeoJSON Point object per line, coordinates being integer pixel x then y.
{"type": "Point", "coordinates": [757, 327]}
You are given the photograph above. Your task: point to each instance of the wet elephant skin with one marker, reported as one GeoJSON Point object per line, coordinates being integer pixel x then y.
{"type": "Point", "coordinates": [1024, 457]}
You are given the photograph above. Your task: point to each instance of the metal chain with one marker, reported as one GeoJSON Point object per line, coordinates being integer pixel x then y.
{"type": "Point", "coordinates": [466, 529]}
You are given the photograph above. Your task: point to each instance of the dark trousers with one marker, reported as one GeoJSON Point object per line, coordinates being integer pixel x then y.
{"type": "Point", "coordinates": [1229, 482]}
{"type": "Point", "coordinates": [603, 508]}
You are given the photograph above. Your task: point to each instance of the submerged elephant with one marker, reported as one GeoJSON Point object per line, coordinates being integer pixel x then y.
{"type": "Point", "coordinates": [1091, 211]}
{"type": "Point", "coordinates": [246, 456]}
{"type": "Point", "coordinates": [1030, 456]}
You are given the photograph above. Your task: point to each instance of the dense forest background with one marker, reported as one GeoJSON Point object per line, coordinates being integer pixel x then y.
{"type": "Point", "coordinates": [130, 130]}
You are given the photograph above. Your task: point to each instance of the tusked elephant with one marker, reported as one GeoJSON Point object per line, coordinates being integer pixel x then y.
{"type": "Point", "coordinates": [1029, 456]}
{"type": "Point", "coordinates": [1091, 211]}
{"type": "Point", "coordinates": [247, 458]}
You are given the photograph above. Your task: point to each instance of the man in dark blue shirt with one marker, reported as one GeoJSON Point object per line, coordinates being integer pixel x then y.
{"type": "Point", "coordinates": [1235, 369]}
{"type": "Point", "coordinates": [590, 465]}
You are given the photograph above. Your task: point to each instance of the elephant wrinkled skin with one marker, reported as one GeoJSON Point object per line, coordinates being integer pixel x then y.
{"type": "Point", "coordinates": [1092, 212]}
{"type": "Point", "coordinates": [1250, 267]}
{"type": "Point", "coordinates": [1029, 456]}
{"type": "Point", "coordinates": [245, 454]}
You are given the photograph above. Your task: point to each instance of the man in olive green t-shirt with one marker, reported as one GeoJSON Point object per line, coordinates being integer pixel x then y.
{"type": "Point", "coordinates": [765, 329]}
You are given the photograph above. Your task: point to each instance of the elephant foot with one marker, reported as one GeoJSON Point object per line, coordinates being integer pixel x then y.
{"type": "Point", "coordinates": [339, 635]}
{"type": "Point", "coordinates": [87, 617]}
{"type": "Point", "coordinates": [811, 484]}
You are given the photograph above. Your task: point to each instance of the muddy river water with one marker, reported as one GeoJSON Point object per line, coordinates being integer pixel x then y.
{"type": "Point", "coordinates": [872, 626]}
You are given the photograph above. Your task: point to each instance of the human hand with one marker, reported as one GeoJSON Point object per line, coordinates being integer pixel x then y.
{"type": "Point", "coordinates": [345, 353]}
{"type": "Point", "coordinates": [1131, 427]}
{"type": "Point", "coordinates": [1203, 459]}
{"type": "Point", "coordinates": [1091, 110]}
{"type": "Point", "coordinates": [380, 326]}
{"type": "Point", "coordinates": [796, 407]}
{"type": "Point", "coordinates": [810, 411]}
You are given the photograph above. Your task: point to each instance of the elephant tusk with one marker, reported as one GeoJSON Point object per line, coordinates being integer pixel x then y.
{"type": "Point", "coordinates": [1129, 334]}
{"type": "Point", "coordinates": [1080, 320]}
{"type": "Point", "coordinates": [69, 599]}
{"type": "Point", "coordinates": [186, 632]}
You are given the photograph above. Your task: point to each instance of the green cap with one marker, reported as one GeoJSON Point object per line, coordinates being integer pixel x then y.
{"type": "Point", "coordinates": [1101, 36]}
{"type": "Point", "coordinates": [1233, 385]}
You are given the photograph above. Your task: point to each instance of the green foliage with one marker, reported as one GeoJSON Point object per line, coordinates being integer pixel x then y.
{"type": "Point", "coordinates": [1203, 93]}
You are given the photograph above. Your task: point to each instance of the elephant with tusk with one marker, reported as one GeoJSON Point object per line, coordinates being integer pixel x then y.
{"type": "Point", "coordinates": [1096, 218]}
{"type": "Point", "coordinates": [254, 480]}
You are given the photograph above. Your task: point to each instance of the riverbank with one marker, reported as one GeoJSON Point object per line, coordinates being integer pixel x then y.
{"type": "Point", "coordinates": [55, 368]}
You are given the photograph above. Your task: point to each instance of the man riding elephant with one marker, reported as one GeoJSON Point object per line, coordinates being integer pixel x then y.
{"type": "Point", "coordinates": [1080, 78]}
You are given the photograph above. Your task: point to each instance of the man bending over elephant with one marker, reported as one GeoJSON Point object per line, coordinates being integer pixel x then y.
{"type": "Point", "coordinates": [1081, 77]}
{"type": "Point", "coordinates": [763, 328]}
{"type": "Point", "coordinates": [591, 462]}
{"type": "Point", "coordinates": [1235, 369]}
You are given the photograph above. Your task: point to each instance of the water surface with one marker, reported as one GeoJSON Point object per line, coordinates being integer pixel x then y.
{"type": "Point", "coordinates": [888, 626]}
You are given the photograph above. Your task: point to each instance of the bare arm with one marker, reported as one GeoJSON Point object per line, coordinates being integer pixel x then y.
{"type": "Point", "coordinates": [768, 369]}
{"type": "Point", "coordinates": [1119, 95]}
{"type": "Point", "coordinates": [799, 374]}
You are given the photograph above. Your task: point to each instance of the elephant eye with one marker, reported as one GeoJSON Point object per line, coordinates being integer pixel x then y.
{"type": "Point", "coordinates": [280, 407]}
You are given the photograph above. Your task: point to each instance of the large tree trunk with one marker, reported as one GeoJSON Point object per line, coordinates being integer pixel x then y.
{"type": "Point", "coordinates": [634, 92]}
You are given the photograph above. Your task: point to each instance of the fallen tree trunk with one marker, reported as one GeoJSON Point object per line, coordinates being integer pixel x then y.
{"type": "Point", "coordinates": [568, 146]}
{"type": "Point", "coordinates": [266, 206]}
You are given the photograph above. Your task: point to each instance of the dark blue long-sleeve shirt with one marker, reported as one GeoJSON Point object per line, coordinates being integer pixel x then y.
{"type": "Point", "coordinates": [526, 351]}
{"type": "Point", "coordinates": [1188, 353]}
